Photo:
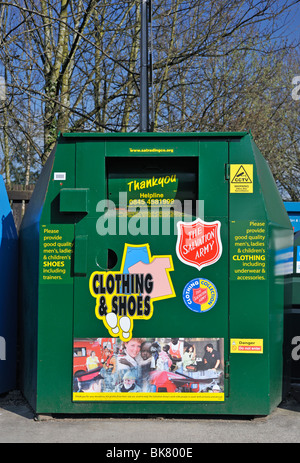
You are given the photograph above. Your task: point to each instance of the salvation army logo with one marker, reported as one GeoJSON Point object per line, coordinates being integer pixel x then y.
{"type": "Point", "coordinates": [199, 243]}
{"type": "Point", "coordinates": [200, 295]}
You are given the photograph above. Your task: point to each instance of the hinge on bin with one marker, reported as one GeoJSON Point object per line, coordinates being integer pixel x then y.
{"type": "Point", "coordinates": [226, 378]}
{"type": "Point", "coordinates": [227, 171]}
{"type": "Point", "coordinates": [226, 372]}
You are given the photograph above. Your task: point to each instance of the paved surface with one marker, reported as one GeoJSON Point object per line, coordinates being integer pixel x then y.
{"type": "Point", "coordinates": [19, 425]}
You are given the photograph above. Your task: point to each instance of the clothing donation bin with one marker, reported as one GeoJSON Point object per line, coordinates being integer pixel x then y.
{"type": "Point", "coordinates": [8, 294]}
{"type": "Point", "coordinates": [150, 277]}
{"type": "Point", "coordinates": [292, 322]}
{"type": "Point", "coordinates": [292, 312]}
{"type": "Point", "coordinates": [293, 210]}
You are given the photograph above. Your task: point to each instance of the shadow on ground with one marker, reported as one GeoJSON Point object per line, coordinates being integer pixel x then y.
{"type": "Point", "coordinates": [14, 402]}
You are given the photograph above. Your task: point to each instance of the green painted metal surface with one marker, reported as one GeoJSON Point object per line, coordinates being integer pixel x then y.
{"type": "Point", "coordinates": [214, 281]}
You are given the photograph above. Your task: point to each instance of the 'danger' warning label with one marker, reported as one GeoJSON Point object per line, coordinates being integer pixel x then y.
{"type": "Point", "coordinates": [246, 346]}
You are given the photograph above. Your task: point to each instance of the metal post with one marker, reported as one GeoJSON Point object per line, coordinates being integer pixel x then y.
{"type": "Point", "coordinates": [2, 88]}
{"type": "Point", "coordinates": [144, 87]}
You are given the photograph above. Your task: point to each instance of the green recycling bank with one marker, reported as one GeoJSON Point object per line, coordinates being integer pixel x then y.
{"type": "Point", "coordinates": [153, 277]}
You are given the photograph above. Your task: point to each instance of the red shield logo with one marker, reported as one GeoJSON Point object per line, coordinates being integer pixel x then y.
{"type": "Point", "coordinates": [200, 295]}
{"type": "Point", "coordinates": [199, 243]}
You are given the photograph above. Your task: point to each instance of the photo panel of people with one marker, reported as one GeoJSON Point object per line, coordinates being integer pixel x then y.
{"type": "Point", "coordinates": [149, 365]}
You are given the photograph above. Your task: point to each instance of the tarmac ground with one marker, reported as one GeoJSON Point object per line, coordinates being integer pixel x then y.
{"type": "Point", "coordinates": [18, 424]}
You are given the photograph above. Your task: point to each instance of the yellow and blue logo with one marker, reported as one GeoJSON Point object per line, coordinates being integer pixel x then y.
{"type": "Point", "coordinates": [200, 295]}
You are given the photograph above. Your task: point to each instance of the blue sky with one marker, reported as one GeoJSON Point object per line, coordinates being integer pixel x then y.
{"type": "Point", "coordinates": [294, 26]}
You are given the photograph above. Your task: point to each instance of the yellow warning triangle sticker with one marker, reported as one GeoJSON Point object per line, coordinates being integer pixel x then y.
{"type": "Point", "coordinates": [241, 178]}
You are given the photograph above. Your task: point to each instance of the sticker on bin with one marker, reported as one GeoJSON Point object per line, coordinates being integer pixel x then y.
{"type": "Point", "coordinates": [199, 243]}
{"type": "Point", "coordinates": [184, 370]}
{"type": "Point", "coordinates": [130, 293]}
{"type": "Point", "coordinates": [241, 178]}
{"type": "Point", "coordinates": [246, 346]}
{"type": "Point", "coordinates": [200, 295]}
{"type": "Point", "coordinates": [60, 176]}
